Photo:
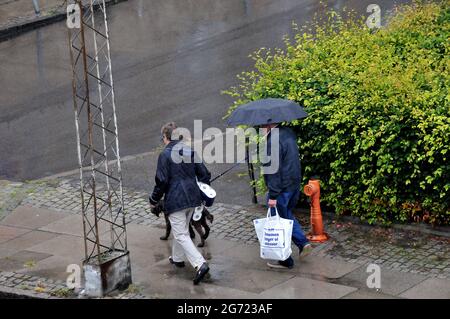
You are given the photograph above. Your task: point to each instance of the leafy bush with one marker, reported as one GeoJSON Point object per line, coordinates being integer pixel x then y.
{"type": "Point", "coordinates": [378, 131]}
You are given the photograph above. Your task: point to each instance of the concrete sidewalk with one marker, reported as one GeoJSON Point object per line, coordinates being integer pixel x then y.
{"type": "Point", "coordinates": [37, 244]}
{"type": "Point", "coordinates": [41, 243]}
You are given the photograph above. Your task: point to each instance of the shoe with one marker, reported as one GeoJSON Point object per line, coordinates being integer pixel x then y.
{"type": "Point", "coordinates": [179, 264]}
{"type": "Point", "coordinates": [280, 265]}
{"type": "Point", "coordinates": [201, 272]}
{"type": "Point", "coordinates": [305, 250]}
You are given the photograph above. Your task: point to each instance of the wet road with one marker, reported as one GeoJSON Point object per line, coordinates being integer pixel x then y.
{"type": "Point", "coordinates": [171, 60]}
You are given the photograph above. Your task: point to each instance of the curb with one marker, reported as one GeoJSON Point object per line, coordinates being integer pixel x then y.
{"type": "Point", "coordinates": [38, 22]}
{"type": "Point", "coordinates": [441, 231]}
{"type": "Point", "coordinates": [16, 293]}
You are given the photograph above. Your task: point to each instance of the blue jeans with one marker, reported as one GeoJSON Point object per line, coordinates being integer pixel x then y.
{"type": "Point", "coordinates": [285, 203]}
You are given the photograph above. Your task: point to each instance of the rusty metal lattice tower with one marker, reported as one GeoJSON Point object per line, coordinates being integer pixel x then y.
{"type": "Point", "coordinates": [97, 139]}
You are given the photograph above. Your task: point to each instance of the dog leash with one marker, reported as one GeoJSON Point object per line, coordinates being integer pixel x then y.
{"type": "Point", "coordinates": [234, 166]}
{"type": "Point", "coordinates": [227, 170]}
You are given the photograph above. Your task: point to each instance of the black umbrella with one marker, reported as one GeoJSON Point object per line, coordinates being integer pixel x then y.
{"type": "Point", "coordinates": [266, 111]}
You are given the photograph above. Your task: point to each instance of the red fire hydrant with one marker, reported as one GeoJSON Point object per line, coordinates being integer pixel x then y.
{"type": "Point", "coordinates": [317, 235]}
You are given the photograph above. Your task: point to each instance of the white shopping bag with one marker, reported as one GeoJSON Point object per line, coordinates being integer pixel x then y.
{"type": "Point", "coordinates": [275, 236]}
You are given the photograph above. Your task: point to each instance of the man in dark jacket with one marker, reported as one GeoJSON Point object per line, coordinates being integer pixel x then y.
{"type": "Point", "coordinates": [283, 183]}
{"type": "Point", "coordinates": [176, 179]}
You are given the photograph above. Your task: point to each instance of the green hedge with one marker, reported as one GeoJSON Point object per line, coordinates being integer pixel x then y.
{"type": "Point", "coordinates": [378, 134]}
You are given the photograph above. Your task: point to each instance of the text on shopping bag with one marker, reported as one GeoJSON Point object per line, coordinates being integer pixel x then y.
{"type": "Point", "coordinates": [273, 238]}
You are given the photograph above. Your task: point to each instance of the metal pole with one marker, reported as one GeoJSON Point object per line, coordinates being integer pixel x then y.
{"type": "Point", "coordinates": [97, 139]}
{"type": "Point", "coordinates": [251, 173]}
{"type": "Point", "coordinates": [36, 7]}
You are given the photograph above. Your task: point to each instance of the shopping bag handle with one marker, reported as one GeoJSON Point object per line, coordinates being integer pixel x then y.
{"type": "Point", "coordinates": [269, 213]}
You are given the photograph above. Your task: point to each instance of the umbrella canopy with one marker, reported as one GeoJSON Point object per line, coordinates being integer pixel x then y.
{"type": "Point", "coordinates": [266, 111]}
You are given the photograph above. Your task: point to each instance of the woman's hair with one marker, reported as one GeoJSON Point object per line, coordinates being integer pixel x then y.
{"type": "Point", "coordinates": [168, 131]}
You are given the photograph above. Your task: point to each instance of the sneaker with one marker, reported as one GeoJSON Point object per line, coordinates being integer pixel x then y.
{"type": "Point", "coordinates": [201, 272]}
{"type": "Point", "coordinates": [280, 265]}
{"type": "Point", "coordinates": [179, 264]}
{"type": "Point", "coordinates": [305, 250]}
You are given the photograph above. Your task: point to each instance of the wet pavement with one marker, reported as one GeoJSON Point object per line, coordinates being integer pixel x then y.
{"type": "Point", "coordinates": [35, 252]}
{"type": "Point", "coordinates": [393, 249]}
{"type": "Point", "coordinates": [171, 61]}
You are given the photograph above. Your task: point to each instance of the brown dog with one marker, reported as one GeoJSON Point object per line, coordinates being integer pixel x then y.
{"type": "Point", "coordinates": [201, 226]}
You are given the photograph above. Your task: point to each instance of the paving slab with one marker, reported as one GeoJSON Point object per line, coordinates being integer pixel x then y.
{"type": "Point", "coordinates": [326, 267]}
{"type": "Point", "coordinates": [228, 273]}
{"type": "Point", "coordinates": [392, 282]}
{"type": "Point", "coordinates": [155, 284]}
{"type": "Point", "coordinates": [53, 267]}
{"type": "Point", "coordinates": [8, 233]}
{"type": "Point", "coordinates": [245, 254]}
{"type": "Point", "coordinates": [70, 225]}
{"type": "Point", "coordinates": [431, 288]}
{"type": "Point", "coordinates": [31, 217]}
{"type": "Point", "coordinates": [144, 245]}
{"type": "Point", "coordinates": [6, 251]}
{"type": "Point", "coordinates": [148, 257]}
{"type": "Point", "coordinates": [305, 288]}
{"type": "Point", "coordinates": [251, 280]}
{"type": "Point", "coordinates": [215, 247]}
{"type": "Point", "coordinates": [63, 246]}
{"type": "Point", "coordinates": [144, 237]}
{"type": "Point", "coordinates": [366, 294]}
{"type": "Point", "coordinates": [313, 265]}
{"type": "Point", "coordinates": [21, 260]}
{"type": "Point", "coordinates": [24, 242]}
